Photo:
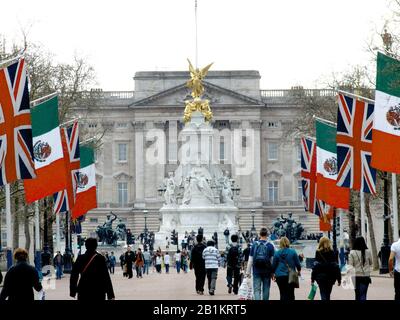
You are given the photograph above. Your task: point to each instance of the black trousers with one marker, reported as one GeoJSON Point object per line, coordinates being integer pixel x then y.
{"type": "Point", "coordinates": [325, 289]}
{"type": "Point", "coordinates": [200, 274]}
{"type": "Point", "coordinates": [129, 270]}
{"type": "Point", "coordinates": [235, 274]}
{"type": "Point", "coordinates": [396, 285]}
{"type": "Point", "coordinates": [286, 290]}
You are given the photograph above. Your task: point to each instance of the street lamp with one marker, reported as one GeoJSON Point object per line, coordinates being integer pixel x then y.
{"type": "Point", "coordinates": [145, 213]}
{"type": "Point", "coordinates": [253, 228]}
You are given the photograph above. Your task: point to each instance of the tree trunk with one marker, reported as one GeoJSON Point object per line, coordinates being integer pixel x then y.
{"type": "Point", "coordinates": [371, 232]}
{"type": "Point", "coordinates": [27, 229]}
{"type": "Point", "coordinates": [352, 222]}
{"type": "Point", "coordinates": [15, 214]}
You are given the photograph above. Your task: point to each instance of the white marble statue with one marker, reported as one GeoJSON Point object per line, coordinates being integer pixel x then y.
{"type": "Point", "coordinates": [226, 222]}
{"type": "Point", "coordinates": [169, 195]}
{"type": "Point", "coordinates": [187, 195]}
{"type": "Point", "coordinates": [226, 189]}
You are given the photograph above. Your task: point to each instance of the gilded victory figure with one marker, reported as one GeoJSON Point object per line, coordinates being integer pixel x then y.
{"type": "Point", "coordinates": [197, 104]}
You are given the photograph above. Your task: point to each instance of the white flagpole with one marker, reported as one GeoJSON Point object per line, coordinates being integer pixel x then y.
{"type": "Point", "coordinates": [394, 210]}
{"type": "Point", "coordinates": [58, 245]}
{"type": "Point", "coordinates": [8, 223]}
{"type": "Point", "coordinates": [362, 202]}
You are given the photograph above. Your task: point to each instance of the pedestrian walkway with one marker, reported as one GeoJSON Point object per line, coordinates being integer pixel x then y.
{"type": "Point", "coordinates": [175, 286]}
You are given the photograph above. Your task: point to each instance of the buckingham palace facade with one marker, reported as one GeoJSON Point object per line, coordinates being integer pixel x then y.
{"type": "Point", "coordinates": [128, 183]}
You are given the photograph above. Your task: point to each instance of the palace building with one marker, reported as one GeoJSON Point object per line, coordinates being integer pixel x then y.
{"type": "Point", "coordinates": [140, 125]}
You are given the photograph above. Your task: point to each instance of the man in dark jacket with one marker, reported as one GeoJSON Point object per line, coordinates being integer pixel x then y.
{"type": "Point", "coordinates": [129, 259]}
{"type": "Point", "coordinates": [197, 262]}
{"type": "Point", "coordinates": [20, 279]}
{"type": "Point", "coordinates": [95, 282]}
{"type": "Point", "coordinates": [58, 262]}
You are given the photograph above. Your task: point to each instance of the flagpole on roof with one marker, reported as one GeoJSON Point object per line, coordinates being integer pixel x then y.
{"type": "Point", "coordinates": [356, 96]}
{"type": "Point", "coordinates": [323, 120]}
{"type": "Point", "coordinates": [34, 103]}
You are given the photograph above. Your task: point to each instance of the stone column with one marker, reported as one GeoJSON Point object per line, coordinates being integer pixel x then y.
{"type": "Point", "coordinates": [256, 176]}
{"type": "Point", "coordinates": [139, 162]}
{"type": "Point", "coordinates": [172, 141]}
{"type": "Point", "coordinates": [108, 163]}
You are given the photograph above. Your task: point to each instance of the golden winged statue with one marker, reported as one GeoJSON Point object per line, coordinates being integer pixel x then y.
{"type": "Point", "coordinates": [195, 83]}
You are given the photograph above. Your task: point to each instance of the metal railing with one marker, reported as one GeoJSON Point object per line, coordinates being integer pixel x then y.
{"type": "Point", "coordinates": [99, 94]}
{"type": "Point", "coordinates": [288, 203]}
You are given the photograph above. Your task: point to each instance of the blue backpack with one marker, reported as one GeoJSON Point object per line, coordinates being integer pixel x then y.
{"type": "Point", "coordinates": [262, 259]}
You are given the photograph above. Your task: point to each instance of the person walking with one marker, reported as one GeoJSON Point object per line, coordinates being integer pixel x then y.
{"type": "Point", "coordinates": [326, 270]}
{"type": "Point", "coordinates": [184, 260]}
{"type": "Point", "coordinates": [122, 262]}
{"type": "Point", "coordinates": [147, 260]}
{"type": "Point", "coordinates": [129, 259]}
{"type": "Point", "coordinates": [91, 270]}
{"type": "Point", "coordinates": [260, 263]}
{"type": "Point", "coordinates": [158, 262]}
{"type": "Point", "coordinates": [210, 256]}
{"type": "Point", "coordinates": [21, 279]}
{"type": "Point", "coordinates": [166, 262]}
{"type": "Point", "coordinates": [113, 262]}
{"type": "Point", "coordinates": [361, 260]}
{"type": "Point", "coordinates": [284, 259]}
{"type": "Point", "coordinates": [58, 262]}
{"type": "Point", "coordinates": [139, 263]}
{"type": "Point", "coordinates": [245, 258]}
{"type": "Point", "coordinates": [226, 234]}
{"type": "Point", "coordinates": [198, 264]}
{"type": "Point", "coordinates": [233, 264]}
{"type": "Point", "coordinates": [394, 269]}
{"type": "Point", "coordinates": [178, 261]}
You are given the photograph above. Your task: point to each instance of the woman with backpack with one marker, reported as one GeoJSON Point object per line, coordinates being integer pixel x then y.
{"type": "Point", "coordinates": [360, 259]}
{"type": "Point", "coordinates": [326, 270]}
{"type": "Point", "coordinates": [261, 254]}
{"type": "Point", "coordinates": [286, 262]}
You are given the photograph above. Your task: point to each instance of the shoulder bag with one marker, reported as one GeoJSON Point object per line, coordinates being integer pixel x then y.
{"type": "Point", "coordinates": [293, 276]}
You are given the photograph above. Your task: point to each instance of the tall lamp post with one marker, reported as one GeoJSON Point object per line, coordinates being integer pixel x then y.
{"type": "Point", "coordinates": [145, 212]}
{"type": "Point", "coordinates": [253, 228]}
{"type": "Point", "coordinates": [385, 249]}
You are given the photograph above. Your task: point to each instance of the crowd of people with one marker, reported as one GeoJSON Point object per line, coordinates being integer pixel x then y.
{"type": "Point", "coordinates": [258, 262]}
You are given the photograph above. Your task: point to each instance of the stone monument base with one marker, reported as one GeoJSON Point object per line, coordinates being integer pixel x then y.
{"type": "Point", "coordinates": [187, 219]}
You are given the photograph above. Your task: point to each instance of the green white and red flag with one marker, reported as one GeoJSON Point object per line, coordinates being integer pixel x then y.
{"type": "Point", "coordinates": [86, 183]}
{"type": "Point", "coordinates": [327, 168]}
{"type": "Point", "coordinates": [47, 152]}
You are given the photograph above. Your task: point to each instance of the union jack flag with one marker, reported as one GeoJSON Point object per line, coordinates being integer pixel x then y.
{"type": "Point", "coordinates": [354, 144]}
{"type": "Point", "coordinates": [309, 177]}
{"type": "Point", "coordinates": [64, 200]}
{"type": "Point", "coordinates": [16, 151]}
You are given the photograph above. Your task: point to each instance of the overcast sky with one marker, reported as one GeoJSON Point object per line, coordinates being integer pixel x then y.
{"type": "Point", "coordinates": [291, 42]}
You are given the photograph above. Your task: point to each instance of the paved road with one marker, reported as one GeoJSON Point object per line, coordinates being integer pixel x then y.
{"type": "Point", "coordinates": [175, 286]}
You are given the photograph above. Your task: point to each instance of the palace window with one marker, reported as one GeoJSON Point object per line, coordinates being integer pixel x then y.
{"type": "Point", "coordinates": [221, 148]}
{"type": "Point", "coordinates": [273, 151]}
{"type": "Point", "coordinates": [93, 220]}
{"type": "Point", "coordinates": [122, 194]}
{"type": "Point", "coordinates": [299, 191]}
{"type": "Point", "coordinates": [122, 125]}
{"type": "Point", "coordinates": [122, 155]}
{"type": "Point", "coordinates": [298, 151]}
{"type": "Point", "coordinates": [273, 124]}
{"type": "Point", "coordinates": [273, 191]}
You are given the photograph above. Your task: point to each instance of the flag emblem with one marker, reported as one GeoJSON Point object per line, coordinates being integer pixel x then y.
{"type": "Point", "coordinates": [41, 151]}
{"type": "Point", "coordinates": [330, 166]}
{"type": "Point", "coordinates": [393, 116]}
{"type": "Point", "coordinates": [82, 180]}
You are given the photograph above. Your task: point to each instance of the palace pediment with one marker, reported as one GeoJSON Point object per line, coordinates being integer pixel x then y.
{"type": "Point", "coordinates": [218, 96]}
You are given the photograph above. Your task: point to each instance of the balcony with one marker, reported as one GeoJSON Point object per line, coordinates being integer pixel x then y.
{"type": "Point", "coordinates": [288, 203]}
